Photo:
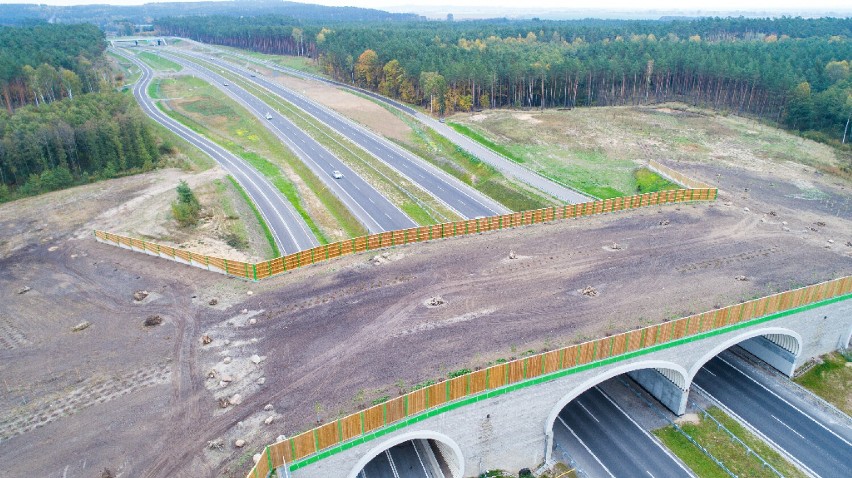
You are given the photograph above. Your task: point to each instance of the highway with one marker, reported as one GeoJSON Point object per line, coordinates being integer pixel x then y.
{"type": "Point", "coordinates": [289, 230]}
{"type": "Point", "coordinates": [459, 197]}
{"type": "Point", "coordinates": [367, 204]}
{"type": "Point", "coordinates": [399, 461]}
{"type": "Point", "coordinates": [501, 163]}
{"type": "Point", "coordinates": [783, 421]}
{"type": "Point", "coordinates": [606, 443]}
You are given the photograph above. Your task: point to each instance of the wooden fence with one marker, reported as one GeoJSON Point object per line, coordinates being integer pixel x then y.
{"type": "Point", "coordinates": [279, 265]}
{"type": "Point", "coordinates": [341, 434]}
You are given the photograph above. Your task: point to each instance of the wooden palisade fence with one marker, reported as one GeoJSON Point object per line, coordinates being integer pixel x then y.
{"type": "Point", "coordinates": [279, 265]}
{"type": "Point", "coordinates": [341, 434]}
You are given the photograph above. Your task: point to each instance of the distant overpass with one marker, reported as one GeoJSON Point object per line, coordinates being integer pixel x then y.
{"type": "Point", "coordinates": [481, 422]}
{"type": "Point", "coordinates": [136, 41]}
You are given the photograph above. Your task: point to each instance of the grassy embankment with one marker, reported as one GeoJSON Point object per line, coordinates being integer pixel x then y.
{"type": "Point", "coordinates": [267, 233]}
{"type": "Point", "coordinates": [588, 175]}
{"type": "Point", "coordinates": [831, 380]}
{"type": "Point", "coordinates": [429, 145]}
{"type": "Point", "coordinates": [720, 445]}
{"type": "Point", "coordinates": [204, 109]}
{"type": "Point", "coordinates": [421, 206]}
{"type": "Point", "coordinates": [157, 62]}
{"type": "Point", "coordinates": [597, 150]}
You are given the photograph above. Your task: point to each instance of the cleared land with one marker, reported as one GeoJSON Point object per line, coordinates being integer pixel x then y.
{"type": "Point", "coordinates": [336, 336]}
{"type": "Point", "coordinates": [719, 443]}
{"type": "Point", "coordinates": [598, 150]}
{"type": "Point", "coordinates": [158, 63]}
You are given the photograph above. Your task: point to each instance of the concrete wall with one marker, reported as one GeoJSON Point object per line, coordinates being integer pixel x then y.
{"type": "Point", "coordinates": [514, 430]}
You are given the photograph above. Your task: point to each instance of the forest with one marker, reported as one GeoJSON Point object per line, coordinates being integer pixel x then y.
{"type": "Point", "coordinates": [791, 71]}
{"type": "Point", "coordinates": [63, 122]}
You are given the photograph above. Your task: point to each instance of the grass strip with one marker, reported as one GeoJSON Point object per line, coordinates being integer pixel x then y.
{"type": "Point", "coordinates": [485, 141]}
{"type": "Point", "coordinates": [157, 62]}
{"type": "Point", "coordinates": [831, 380]}
{"type": "Point", "coordinates": [266, 231]}
{"type": "Point", "coordinates": [419, 205]}
{"type": "Point", "coordinates": [720, 445]}
{"type": "Point", "coordinates": [443, 153]}
{"type": "Point", "coordinates": [268, 169]}
{"type": "Point", "coordinates": [648, 181]}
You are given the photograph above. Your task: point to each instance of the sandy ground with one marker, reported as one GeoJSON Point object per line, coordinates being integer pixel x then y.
{"type": "Point", "coordinates": [325, 340]}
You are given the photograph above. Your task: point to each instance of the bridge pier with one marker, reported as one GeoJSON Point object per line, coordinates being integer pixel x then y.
{"type": "Point", "coordinates": [666, 391]}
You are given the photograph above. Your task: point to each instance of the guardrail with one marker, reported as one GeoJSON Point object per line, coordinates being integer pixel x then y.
{"type": "Point", "coordinates": [279, 265]}
{"type": "Point", "coordinates": [376, 421]}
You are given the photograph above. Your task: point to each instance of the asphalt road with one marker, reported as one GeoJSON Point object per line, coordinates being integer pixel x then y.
{"type": "Point", "coordinates": [501, 163]}
{"type": "Point", "coordinates": [783, 421]}
{"type": "Point", "coordinates": [289, 230]}
{"type": "Point", "coordinates": [367, 204]}
{"type": "Point", "coordinates": [605, 442]}
{"type": "Point", "coordinates": [459, 197]}
{"type": "Point", "coordinates": [399, 461]}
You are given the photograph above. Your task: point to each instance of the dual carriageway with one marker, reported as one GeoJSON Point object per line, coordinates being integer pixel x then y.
{"type": "Point", "coordinates": [595, 431]}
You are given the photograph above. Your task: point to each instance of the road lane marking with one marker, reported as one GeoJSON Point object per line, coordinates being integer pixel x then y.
{"type": "Point", "coordinates": [587, 411]}
{"type": "Point", "coordinates": [788, 427]}
{"type": "Point", "coordinates": [651, 438]}
{"type": "Point", "coordinates": [785, 401]}
{"type": "Point", "coordinates": [590, 452]}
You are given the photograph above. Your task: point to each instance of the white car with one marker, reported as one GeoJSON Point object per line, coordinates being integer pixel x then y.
{"type": "Point", "coordinates": [268, 116]}
{"type": "Point", "coordinates": [336, 174]}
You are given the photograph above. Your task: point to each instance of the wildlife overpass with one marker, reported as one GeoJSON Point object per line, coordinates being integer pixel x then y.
{"type": "Point", "coordinates": [503, 417]}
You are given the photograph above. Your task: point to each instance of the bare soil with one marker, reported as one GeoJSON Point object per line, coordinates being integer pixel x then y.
{"type": "Point", "coordinates": [359, 109]}
{"type": "Point", "coordinates": [144, 401]}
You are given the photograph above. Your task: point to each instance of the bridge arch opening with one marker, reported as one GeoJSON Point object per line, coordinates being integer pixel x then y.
{"type": "Point", "coordinates": [778, 347]}
{"type": "Point", "coordinates": [665, 381]}
{"type": "Point", "coordinates": [412, 455]}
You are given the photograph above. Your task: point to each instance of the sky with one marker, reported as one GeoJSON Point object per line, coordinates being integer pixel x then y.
{"type": "Point", "coordinates": [627, 5]}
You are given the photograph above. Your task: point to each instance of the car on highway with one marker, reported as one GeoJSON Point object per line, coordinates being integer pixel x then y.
{"type": "Point", "coordinates": [336, 174]}
{"type": "Point", "coordinates": [225, 83]}
{"type": "Point", "coordinates": [268, 116]}
{"type": "Point", "coordinates": [441, 120]}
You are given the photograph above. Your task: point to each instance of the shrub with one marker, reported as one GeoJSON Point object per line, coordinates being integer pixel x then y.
{"type": "Point", "coordinates": [187, 208]}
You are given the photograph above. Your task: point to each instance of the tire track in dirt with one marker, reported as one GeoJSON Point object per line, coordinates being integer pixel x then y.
{"type": "Point", "coordinates": [726, 260]}
{"type": "Point", "coordinates": [177, 444]}
{"type": "Point", "coordinates": [10, 336]}
{"type": "Point", "coordinates": [93, 391]}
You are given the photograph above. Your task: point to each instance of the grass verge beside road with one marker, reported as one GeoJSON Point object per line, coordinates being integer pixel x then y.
{"type": "Point", "coordinates": [202, 108]}
{"type": "Point", "coordinates": [719, 443]}
{"type": "Point", "coordinates": [441, 152]}
{"type": "Point", "coordinates": [418, 204]}
{"type": "Point", "coordinates": [157, 62]}
{"type": "Point", "coordinates": [831, 379]}
{"type": "Point", "coordinates": [265, 227]}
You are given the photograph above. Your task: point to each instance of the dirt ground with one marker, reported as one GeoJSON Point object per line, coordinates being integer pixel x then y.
{"type": "Point", "coordinates": [322, 341]}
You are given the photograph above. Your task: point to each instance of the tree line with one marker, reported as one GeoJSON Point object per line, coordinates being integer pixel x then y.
{"type": "Point", "coordinates": [790, 70]}
{"type": "Point", "coordinates": [64, 123]}
{"type": "Point", "coordinates": [44, 63]}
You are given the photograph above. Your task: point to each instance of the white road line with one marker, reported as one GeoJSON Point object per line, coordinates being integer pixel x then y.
{"type": "Point", "coordinates": [757, 432]}
{"type": "Point", "coordinates": [788, 427]}
{"type": "Point", "coordinates": [651, 438]}
{"type": "Point", "coordinates": [650, 474]}
{"type": "Point", "coordinates": [378, 227]}
{"type": "Point", "coordinates": [788, 403]}
{"type": "Point", "coordinates": [708, 371]}
{"type": "Point", "coordinates": [587, 411]}
{"type": "Point", "coordinates": [425, 471]}
{"type": "Point", "coordinates": [211, 149]}
{"type": "Point", "coordinates": [586, 447]}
